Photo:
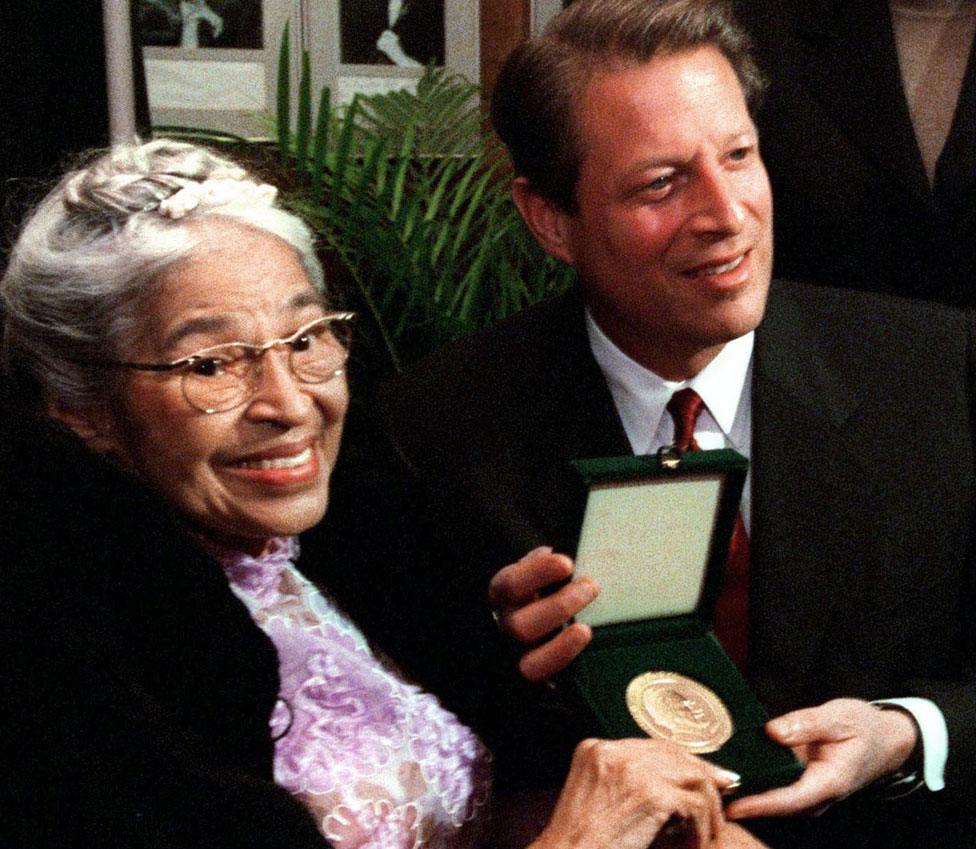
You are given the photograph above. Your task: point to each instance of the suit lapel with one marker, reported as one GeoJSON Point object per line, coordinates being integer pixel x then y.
{"type": "Point", "coordinates": [956, 170]}
{"type": "Point", "coordinates": [573, 416]}
{"type": "Point", "coordinates": [801, 404]}
{"type": "Point", "coordinates": [850, 66]}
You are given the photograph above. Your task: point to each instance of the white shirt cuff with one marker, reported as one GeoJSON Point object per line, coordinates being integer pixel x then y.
{"type": "Point", "coordinates": [935, 737]}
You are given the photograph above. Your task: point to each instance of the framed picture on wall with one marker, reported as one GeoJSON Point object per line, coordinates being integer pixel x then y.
{"type": "Point", "coordinates": [370, 46]}
{"type": "Point", "coordinates": [544, 11]}
{"type": "Point", "coordinates": [234, 24]}
{"type": "Point", "coordinates": [213, 64]}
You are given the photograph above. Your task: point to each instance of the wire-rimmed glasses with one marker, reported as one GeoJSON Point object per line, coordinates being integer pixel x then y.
{"type": "Point", "coordinates": [222, 377]}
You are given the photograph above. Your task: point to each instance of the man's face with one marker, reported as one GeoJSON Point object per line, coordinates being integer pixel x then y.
{"type": "Point", "coordinates": [673, 234]}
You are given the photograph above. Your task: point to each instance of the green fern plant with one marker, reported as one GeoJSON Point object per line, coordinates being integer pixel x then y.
{"type": "Point", "coordinates": [410, 192]}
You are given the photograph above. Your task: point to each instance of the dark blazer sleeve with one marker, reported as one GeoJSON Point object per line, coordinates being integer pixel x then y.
{"type": "Point", "coordinates": [955, 693]}
{"type": "Point", "coordinates": [864, 498]}
{"type": "Point", "coordinates": [135, 690]}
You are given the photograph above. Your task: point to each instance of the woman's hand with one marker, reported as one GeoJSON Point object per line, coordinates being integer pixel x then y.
{"type": "Point", "coordinates": [527, 615]}
{"type": "Point", "coordinates": [620, 793]}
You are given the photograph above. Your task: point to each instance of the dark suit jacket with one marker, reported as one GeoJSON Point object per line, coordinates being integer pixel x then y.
{"type": "Point", "coordinates": [135, 690]}
{"type": "Point", "coordinates": [853, 204]}
{"type": "Point", "coordinates": [862, 518]}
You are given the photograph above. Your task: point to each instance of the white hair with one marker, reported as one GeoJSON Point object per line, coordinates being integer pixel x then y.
{"type": "Point", "coordinates": [85, 261]}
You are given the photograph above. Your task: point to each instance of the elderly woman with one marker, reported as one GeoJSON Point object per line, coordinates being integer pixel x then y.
{"type": "Point", "coordinates": [171, 678]}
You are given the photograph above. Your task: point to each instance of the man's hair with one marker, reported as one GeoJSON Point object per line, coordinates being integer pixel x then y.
{"type": "Point", "coordinates": [533, 104]}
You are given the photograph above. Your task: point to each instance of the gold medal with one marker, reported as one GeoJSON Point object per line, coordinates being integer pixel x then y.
{"type": "Point", "coordinates": [677, 708]}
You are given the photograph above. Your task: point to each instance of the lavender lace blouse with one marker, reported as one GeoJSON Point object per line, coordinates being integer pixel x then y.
{"type": "Point", "coordinates": [378, 762]}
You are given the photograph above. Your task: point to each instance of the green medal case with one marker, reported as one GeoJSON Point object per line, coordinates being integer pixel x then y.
{"type": "Point", "coordinates": [655, 535]}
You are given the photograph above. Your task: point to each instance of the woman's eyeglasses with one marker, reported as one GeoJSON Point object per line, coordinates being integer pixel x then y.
{"type": "Point", "coordinates": [222, 377]}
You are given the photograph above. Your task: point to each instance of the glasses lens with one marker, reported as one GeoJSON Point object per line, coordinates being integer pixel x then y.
{"type": "Point", "coordinates": [321, 350]}
{"type": "Point", "coordinates": [219, 381]}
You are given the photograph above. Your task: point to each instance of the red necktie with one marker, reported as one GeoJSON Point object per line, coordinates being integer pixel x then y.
{"type": "Point", "coordinates": [732, 608]}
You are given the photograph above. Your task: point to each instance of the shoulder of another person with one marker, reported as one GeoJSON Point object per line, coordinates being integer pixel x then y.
{"type": "Point", "coordinates": [501, 362]}
{"type": "Point", "coordinates": [907, 313]}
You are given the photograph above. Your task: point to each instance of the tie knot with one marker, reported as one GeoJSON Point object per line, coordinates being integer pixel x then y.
{"type": "Point", "coordinates": [685, 406]}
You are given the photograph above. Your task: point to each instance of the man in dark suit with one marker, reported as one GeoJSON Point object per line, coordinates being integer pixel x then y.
{"type": "Point", "coordinates": [637, 162]}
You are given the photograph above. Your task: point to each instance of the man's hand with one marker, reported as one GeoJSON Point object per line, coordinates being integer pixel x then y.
{"type": "Point", "coordinates": [845, 744]}
{"type": "Point", "coordinates": [620, 793]}
{"type": "Point", "coordinates": [527, 615]}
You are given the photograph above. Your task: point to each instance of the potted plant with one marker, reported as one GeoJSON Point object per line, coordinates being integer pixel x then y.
{"type": "Point", "coordinates": [409, 194]}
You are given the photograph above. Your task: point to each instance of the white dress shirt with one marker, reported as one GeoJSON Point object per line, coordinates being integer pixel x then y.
{"type": "Point", "coordinates": [640, 395]}
{"type": "Point", "coordinates": [725, 385]}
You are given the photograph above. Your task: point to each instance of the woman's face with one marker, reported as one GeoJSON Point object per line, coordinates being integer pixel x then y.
{"type": "Point", "coordinates": [262, 469]}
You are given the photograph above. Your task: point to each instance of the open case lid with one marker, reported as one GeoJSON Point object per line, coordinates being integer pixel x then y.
{"type": "Point", "coordinates": [656, 532]}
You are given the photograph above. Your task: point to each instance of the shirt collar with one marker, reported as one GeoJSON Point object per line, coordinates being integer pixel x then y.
{"type": "Point", "coordinates": [632, 385]}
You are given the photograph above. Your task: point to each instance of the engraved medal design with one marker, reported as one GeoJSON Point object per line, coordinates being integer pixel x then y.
{"type": "Point", "coordinates": [677, 708]}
